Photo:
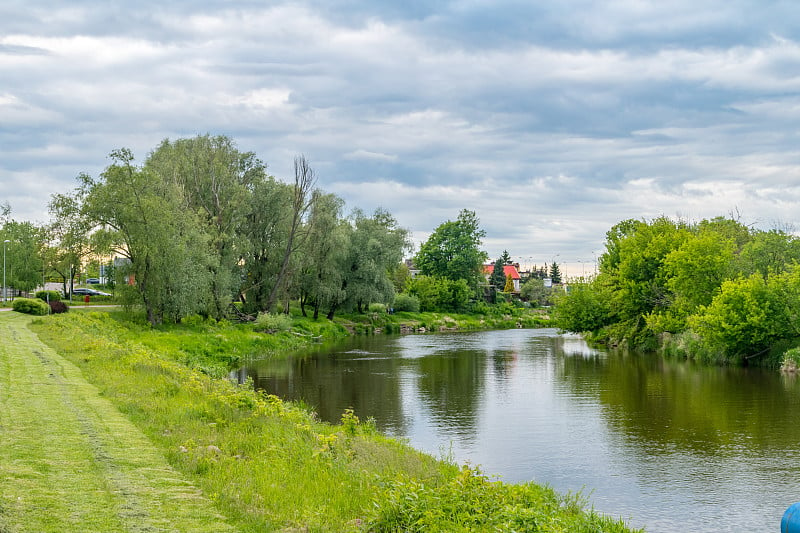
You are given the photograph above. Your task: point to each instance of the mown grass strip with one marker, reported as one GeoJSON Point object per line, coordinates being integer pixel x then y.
{"type": "Point", "coordinates": [69, 460]}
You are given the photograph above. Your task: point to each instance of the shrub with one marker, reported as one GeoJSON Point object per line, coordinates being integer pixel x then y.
{"type": "Point", "coordinates": [406, 302]}
{"type": "Point", "coordinates": [30, 306]}
{"type": "Point", "coordinates": [270, 322]}
{"type": "Point", "coordinates": [57, 306]}
{"type": "Point", "coordinates": [377, 308]}
{"type": "Point", "coordinates": [53, 296]}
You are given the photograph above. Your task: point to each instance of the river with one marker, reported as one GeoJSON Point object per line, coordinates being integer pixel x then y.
{"type": "Point", "coordinates": [667, 445]}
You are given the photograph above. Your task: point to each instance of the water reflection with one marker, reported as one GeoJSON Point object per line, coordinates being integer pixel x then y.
{"type": "Point", "coordinates": [676, 446]}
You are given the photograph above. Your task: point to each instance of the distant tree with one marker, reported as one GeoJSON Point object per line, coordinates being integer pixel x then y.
{"type": "Point", "coordinates": [23, 254]}
{"type": "Point", "coordinates": [505, 257]}
{"type": "Point", "coordinates": [68, 237]}
{"type": "Point", "coordinates": [453, 250]}
{"type": "Point", "coordinates": [498, 276]}
{"type": "Point", "coordinates": [509, 284]}
{"type": "Point", "coordinates": [401, 275]}
{"type": "Point", "coordinates": [555, 273]}
{"type": "Point", "coordinates": [535, 292]}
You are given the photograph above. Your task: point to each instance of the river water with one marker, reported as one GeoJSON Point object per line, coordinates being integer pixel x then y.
{"type": "Point", "coordinates": [666, 445]}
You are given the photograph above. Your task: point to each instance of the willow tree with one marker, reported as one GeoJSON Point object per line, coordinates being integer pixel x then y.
{"type": "Point", "coordinates": [214, 180]}
{"type": "Point", "coordinates": [323, 255]}
{"type": "Point", "coordinates": [149, 224]}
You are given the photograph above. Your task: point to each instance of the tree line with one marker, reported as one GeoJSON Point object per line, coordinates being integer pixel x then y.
{"type": "Point", "coordinates": [200, 224]}
{"type": "Point", "coordinates": [715, 290]}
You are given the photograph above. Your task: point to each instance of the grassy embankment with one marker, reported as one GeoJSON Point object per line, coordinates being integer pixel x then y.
{"type": "Point", "coordinates": [265, 464]}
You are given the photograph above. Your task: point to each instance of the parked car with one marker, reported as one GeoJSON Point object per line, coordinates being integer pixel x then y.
{"type": "Point", "coordinates": [93, 281]}
{"type": "Point", "coordinates": [88, 292]}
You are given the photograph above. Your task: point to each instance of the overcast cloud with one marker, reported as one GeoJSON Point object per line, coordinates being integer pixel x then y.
{"type": "Point", "coordinates": [553, 122]}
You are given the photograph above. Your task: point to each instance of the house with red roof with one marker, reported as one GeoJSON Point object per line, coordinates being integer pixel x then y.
{"type": "Point", "coordinates": [508, 270]}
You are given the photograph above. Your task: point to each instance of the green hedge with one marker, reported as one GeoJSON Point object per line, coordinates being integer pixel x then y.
{"type": "Point", "coordinates": [53, 296]}
{"type": "Point", "coordinates": [31, 306]}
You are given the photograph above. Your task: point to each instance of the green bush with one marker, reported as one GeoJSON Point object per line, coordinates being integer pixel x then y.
{"type": "Point", "coordinates": [31, 306]}
{"type": "Point", "coordinates": [53, 296]}
{"type": "Point", "coordinates": [406, 302]}
{"type": "Point", "coordinates": [271, 322]}
{"type": "Point", "coordinates": [377, 308]}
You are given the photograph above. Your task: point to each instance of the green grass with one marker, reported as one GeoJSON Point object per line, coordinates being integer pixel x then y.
{"type": "Point", "coordinates": [264, 464]}
{"type": "Point", "coordinates": [70, 461]}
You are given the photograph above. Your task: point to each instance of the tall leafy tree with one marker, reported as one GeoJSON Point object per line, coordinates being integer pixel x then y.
{"type": "Point", "coordinates": [24, 254]}
{"type": "Point", "coordinates": [216, 181]}
{"type": "Point", "coordinates": [68, 236]}
{"type": "Point", "coordinates": [377, 244]}
{"type": "Point", "coordinates": [453, 250]}
{"type": "Point", "coordinates": [323, 255]}
{"type": "Point", "coordinates": [151, 227]}
{"type": "Point", "coordinates": [267, 229]}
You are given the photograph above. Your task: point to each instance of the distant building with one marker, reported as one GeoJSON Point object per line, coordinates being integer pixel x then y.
{"type": "Point", "coordinates": [508, 270]}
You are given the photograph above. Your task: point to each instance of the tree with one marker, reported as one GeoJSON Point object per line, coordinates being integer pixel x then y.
{"type": "Point", "coordinates": [585, 308]}
{"type": "Point", "coordinates": [304, 182]}
{"type": "Point", "coordinates": [535, 292]}
{"type": "Point", "coordinates": [440, 294]}
{"type": "Point", "coordinates": [68, 236]}
{"type": "Point", "coordinates": [505, 257]}
{"type": "Point", "coordinates": [509, 287]}
{"type": "Point", "coordinates": [498, 276]}
{"type": "Point", "coordinates": [377, 244]}
{"type": "Point", "coordinates": [216, 181]}
{"type": "Point", "coordinates": [452, 251]}
{"type": "Point", "coordinates": [266, 230]}
{"type": "Point", "coordinates": [23, 254]}
{"type": "Point", "coordinates": [151, 226]}
{"type": "Point", "coordinates": [747, 316]}
{"type": "Point", "coordinates": [324, 252]}
{"type": "Point", "coordinates": [555, 273]}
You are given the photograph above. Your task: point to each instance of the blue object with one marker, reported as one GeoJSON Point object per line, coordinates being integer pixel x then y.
{"type": "Point", "coordinates": [791, 519]}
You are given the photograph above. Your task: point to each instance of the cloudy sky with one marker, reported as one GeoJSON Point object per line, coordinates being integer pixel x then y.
{"type": "Point", "coordinates": [552, 120]}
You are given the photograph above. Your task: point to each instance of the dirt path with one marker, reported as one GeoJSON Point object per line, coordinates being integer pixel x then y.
{"type": "Point", "coordinates": [69, 461]}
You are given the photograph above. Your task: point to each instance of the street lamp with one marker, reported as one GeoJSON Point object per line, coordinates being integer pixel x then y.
{"type": "Point", "coordinates": [5, 242]}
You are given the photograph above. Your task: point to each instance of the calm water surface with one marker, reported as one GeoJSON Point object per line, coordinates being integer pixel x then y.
{"type": "Point", "coordinates": [669, 446]}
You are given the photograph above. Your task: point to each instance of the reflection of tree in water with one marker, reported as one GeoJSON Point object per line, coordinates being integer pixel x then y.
{"type": "Point", "coordinates": [331, 383]}
{"type": "Point", "coordinates": [503, 363]}
{"type": "Point", "coordinates": [667, 405]}
{"type": "Point", "coordinates": [451, 387]}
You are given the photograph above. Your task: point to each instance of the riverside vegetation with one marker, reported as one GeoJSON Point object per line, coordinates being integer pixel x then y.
{"type": "Point", "coordinates": [269, 465]}
{"type": "Point", "coordinates": [716, 291]}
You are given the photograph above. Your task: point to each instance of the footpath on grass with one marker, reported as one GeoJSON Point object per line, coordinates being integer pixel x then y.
{"type": "Point", "coordinates": [70, 461]}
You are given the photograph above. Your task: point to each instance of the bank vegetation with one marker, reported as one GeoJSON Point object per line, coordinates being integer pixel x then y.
{"type": "Point", "coordinates": [716, 291]}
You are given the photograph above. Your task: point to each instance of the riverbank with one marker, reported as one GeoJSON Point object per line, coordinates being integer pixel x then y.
{"type": "Point", "coordinates": [264, 464]}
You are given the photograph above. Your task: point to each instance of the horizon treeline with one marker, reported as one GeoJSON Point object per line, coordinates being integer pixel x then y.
{"type": "Point", "coordinates": [715, 290]}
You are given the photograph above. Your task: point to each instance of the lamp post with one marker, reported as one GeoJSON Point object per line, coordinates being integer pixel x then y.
{"type": "Point", "coordinates": [5, 242]}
